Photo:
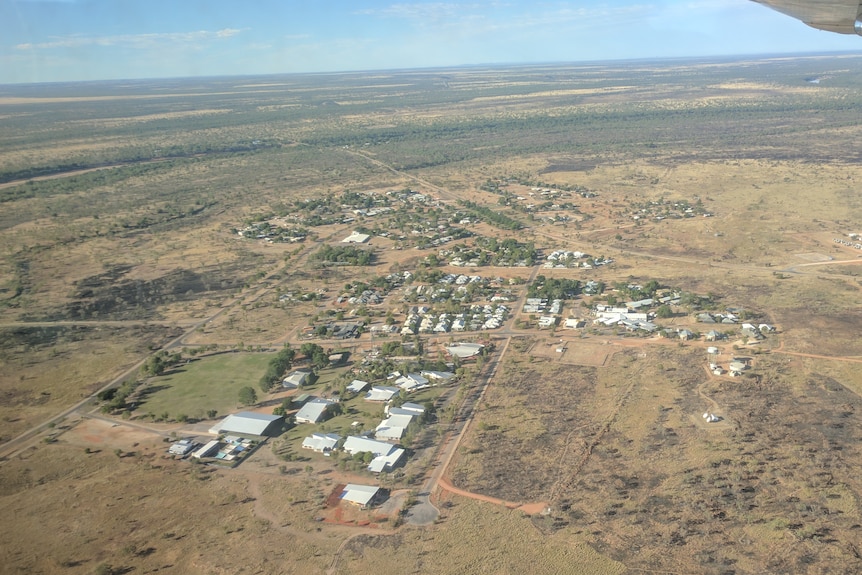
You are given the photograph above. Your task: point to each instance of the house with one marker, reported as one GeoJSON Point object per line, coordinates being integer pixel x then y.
{"type": "Point", "coordinates": [362, 495]}
{"type": "Point", "coordinates": [737, 366]}
{"type": "Point", "coordinates": [356, 238]}
{"type": "Point", "coordinates": [411, 382]}
{"type": "Point", "coordinates": [381, 393]}
{"type": "Point", "coordinates": [547, 321]}
{"type": "Point", "coordinates": [321, 442]}
{"type": "Point", "coordinates": [393, 427]}
{"type": "Point", "coordinates": [357, 386]}
{"type": "Point", "coordinates": [572, 323]}
{"type": "Point", "coordinates": [209, 449]}
{"type": "Point", "coordinates": [685, 334]}
{"type": "Point", "coordinates": [439, 376]}
{"type": "Point", "coordinates": [313, 411]}
{"type": "Point", "coordinates": [751, 332]}
{"type": "Point", "coordinates": [182, 447]}
{"type": "Point", "coordinates": [407, 408]}
{"type": "Point", "coordinates": [386, 455]}
{"type": "Point", "coordinates": [296, 378]}
{"type": "Point", "coordinates": [337, 359]}
{"type": "Point", "coordinates": [713, 335]}
{"type": "Point", "coordinates": [248, 423]}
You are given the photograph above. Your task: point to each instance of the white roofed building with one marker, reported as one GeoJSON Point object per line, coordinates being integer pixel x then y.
{"type": "Point", "coordinates": [362, 495]}
{"type": "Point", "coordinates": [394, 427]}
{"type": "Point", "coordinates": [357, 386]}
{"type": "Point", "coordinates": [407, 407]}
{"type": "Point", "coordinates": [296, 378]}
{"type": "Point", "coordinates": [437, 375]}
{"type": "Point", "coordinates": [248, 423]}
{"type": "Point", "coordinates": [381, 393]}
{"type": "Point", "coordinates": [411, 382]}
{"type": "Point", "coordinates": [207, 450]}
{"type": "Point", "coordinates": [356, 238]}
{"type": "Point", "coordinates": [321, 442]}
{"type": "Point", "coordinates": [313, 411]}
{"type": "Point", "coordinates": [465, 350]}
{"type": "Point", "coordinates": [386, 455]}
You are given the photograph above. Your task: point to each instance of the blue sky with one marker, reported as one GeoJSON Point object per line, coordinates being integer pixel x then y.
{"type": "Point", "coordinates": [63, 40]}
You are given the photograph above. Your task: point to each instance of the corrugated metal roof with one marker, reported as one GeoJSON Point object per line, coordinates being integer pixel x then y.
{"type": "Point", "coordinates": [359, 494]}
{"type": "Point", "coordinates": [245, 422]}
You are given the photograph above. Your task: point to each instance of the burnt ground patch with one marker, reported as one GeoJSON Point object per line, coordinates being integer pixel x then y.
{"type": "Point", "coordinates": [516, 449]}
{"type": "Point", "coordinates": [778, 492]}
{"type": "Point", "coordinates": [824, 333]}
{"type": "Point", "coordinates": [618, 453]}
{"type": "Point", "coordinates": [570, 166]}
{"type": "Point", "coordinates": [113, 295]}
{"type": "Point", "coordinates": [27, 346]}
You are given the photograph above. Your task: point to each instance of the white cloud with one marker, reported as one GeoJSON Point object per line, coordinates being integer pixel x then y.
{"type": "Point", "coordinates": [494, 17]}
{"type": "Point", "coordinates": [131, 40]}
{"type": "Point", "coordinates": [424, 12]}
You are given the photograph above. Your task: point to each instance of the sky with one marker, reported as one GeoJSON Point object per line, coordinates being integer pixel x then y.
{"type": "Point", "coordinates": [72, 40]}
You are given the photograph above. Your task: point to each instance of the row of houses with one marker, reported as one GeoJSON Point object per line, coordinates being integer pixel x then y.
{"type": "Point", "coordinates": [480, 317]}
{"type": "Point", "coordinates": [401, 382]}
{"type": "Point", "coordinates": [385, 456]}
{"type": "Point", "coordinates": [561, 259]}
{"type": "Point", "coordinates": [539, 305]}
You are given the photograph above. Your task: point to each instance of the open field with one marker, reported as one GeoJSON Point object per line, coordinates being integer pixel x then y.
{"type": "Point", "coordinates": [140, 215]}
{"type": "Point", "coordinates": [207, 383]}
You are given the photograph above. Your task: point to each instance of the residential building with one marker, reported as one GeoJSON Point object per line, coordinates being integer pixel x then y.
{"type": "Point", "coordinates": [313, 411]}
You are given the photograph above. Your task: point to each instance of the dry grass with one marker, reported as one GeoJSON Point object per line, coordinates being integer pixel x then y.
{"type": "Point", "coordinates": [620, 458]}
{"type": "Point", "coordinates": [46, 370]}
{"type": "Point", "coordinates": [478, 538]}
{"type": "Point", "coordinates": [609, 438]}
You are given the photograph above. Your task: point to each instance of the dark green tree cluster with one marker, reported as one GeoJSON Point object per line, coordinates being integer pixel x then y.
{"type": "Point", "coordinates": [158, 363]}
{"type": "Point", "coordinates": [115, 398]}
{"type": "Point", "coordinates": [509, 251]}
{"type": "Point", "coordinates": [694, 302]}
{"type": "Point", "coordinates": [635, 292]}
{"type": "Point", "coordinates": [554, 288]}
{"type": "Point", "coordinates": [495, 218]}
{"type": "Point", "coordinates": [277, 366]}
{"type": "Point", "coordinates": [397, 348]}
{"type": "Point", "coordinates": [316, 354]}
{"type": "Point", "coordinates": [343, 254]}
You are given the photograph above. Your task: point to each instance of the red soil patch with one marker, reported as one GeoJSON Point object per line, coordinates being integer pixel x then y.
{"type": "Point", "coordinates": [334, 497]}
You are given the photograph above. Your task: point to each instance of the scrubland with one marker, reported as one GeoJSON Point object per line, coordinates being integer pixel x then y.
{"type": "Point", "coordinates": [118, 235]}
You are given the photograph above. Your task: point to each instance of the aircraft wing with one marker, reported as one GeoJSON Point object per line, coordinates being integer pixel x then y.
{"type": "Point", "coordinates": [842, 16]}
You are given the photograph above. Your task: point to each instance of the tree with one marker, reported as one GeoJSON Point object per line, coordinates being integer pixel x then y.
{"type": "Point", "coordinates": [211, 414]}
{"type": "Point", "coordinates": [309, 349]}
{"type": "Point", "coordinates": [664, 312]}
{"type": "Point", "coordinates": [247, 396]}
{"type": "Point", "coordinates": [334, 410]}
{"type": "Point", "coordinates": [320, 359]}
{"type": "Point", "coordinates": [282, 361]}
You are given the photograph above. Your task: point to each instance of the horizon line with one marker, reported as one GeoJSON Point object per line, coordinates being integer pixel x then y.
{"type": "Point", "coordinates": [560, 63]}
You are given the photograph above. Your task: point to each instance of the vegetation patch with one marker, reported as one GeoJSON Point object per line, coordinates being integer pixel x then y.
{"type": "Point", "coordinates": [201, 385]}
